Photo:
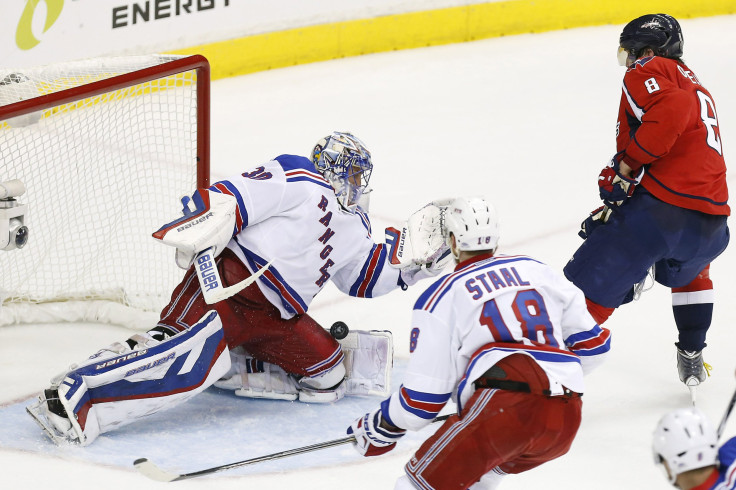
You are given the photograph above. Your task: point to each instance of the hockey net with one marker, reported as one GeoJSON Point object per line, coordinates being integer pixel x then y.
{"type": "Point", "coordinates": [105, 148]}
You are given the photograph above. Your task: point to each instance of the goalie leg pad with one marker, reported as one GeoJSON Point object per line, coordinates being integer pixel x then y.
{"type": "Point", "coordinates": [324, 381]}
{"type": "Point", "coordinates": [324, 388]}
{"type": "Point", "coordinates": [251, 378]}
{"type": "Point", "coordinates": [365, 370]}
{"type": "Point", "coordinates": [369, 357]}
{"type": "Point", "coordinates": [111, 391]}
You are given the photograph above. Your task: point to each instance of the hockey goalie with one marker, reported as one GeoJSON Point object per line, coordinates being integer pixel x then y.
{"type": "Point", "coordinates": [257, 248]}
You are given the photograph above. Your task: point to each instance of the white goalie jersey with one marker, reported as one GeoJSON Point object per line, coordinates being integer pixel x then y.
{"type": "Point", "coordinates": [286, 202]}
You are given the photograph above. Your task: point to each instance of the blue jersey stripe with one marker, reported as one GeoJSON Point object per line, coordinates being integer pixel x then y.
{"type": "Point", "coordinates": [589, 343]}
{"type": "Point", "coordinates": [308, 179]}
{"type": "Point", "coordinates": [256, 262]}
{"type": "Point", "coordinates": [364, 219]}
{"type": "Point", "coordinates": [385, 411]}
{"type": "Point", "coordinates": [376, 272]}
{"type": "Point", "coordinates": [593, 352]}
{"type": "Point", "coordinates": [422, 396]}
{"type": "Point", "coordinates": [422, 414]}
{"type": "Point", "coordinates": [432, 302]}
{"type": "Point", "coordinates": [295, 162]}
{"type": "Point", "coordinates": [241, 204]}
{"type": "Point", "coordinates": [424, 297]}
{"type": "Point", "coordinates": [584, 336]}
{"type": "Point", "coordinates": [365, 271]}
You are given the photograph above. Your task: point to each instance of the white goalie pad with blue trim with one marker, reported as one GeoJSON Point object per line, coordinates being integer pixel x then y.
{"type": "Point", "coordinates": [111, 391]}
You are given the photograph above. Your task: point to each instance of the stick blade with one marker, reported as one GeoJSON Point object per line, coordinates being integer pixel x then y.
{"type": "Point", "coordinates": [150, 470]}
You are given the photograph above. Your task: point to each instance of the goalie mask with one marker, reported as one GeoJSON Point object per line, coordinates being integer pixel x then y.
{"type": "Point", "coordinates": [474, 223]}
{"type": "Point", "coordinates": [345, 162]}
{"type": "Point", "coordinates": [685, 440]}
{"type": "Point", "coordinates": [659, 32]}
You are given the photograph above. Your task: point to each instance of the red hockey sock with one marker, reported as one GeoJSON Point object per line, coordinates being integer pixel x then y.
{"type": "Point", "coordinates": [599, 313]}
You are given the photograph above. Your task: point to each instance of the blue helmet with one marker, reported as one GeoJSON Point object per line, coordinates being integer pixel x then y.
{"type": "Point", "coordinates": [659, 32]}
{"type": "Point", "coordinates": [346, 163]}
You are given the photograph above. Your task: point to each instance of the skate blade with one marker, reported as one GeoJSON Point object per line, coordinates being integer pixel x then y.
{"type": "Point", "coordinates": [693, 392]}
{"type": "Point", "coordinates": [34, 411]}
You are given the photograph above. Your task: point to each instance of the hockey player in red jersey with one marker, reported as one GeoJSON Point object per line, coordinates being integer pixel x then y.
{"type": "Point", "coordinates": [664, 192]}
{"type": "Point", "coordinates": [509, 340]}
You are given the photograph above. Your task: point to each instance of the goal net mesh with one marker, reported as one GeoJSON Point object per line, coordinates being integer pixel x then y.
{"type": "Point", "coordinates": [102, 173]}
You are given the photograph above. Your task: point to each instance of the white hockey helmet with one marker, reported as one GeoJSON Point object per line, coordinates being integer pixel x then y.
{"type": "Point", "coordinates": [474, 223]}
{"type": "Point", "coordinates": [346, 163]}
{"type": "Point", "coordinates": [686, 440]}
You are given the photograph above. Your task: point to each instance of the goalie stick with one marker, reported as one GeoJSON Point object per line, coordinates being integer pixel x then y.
{"type": "Point", "coordinates": [147, 468]}
{"type": "Point", "coordinates": [213, 290]}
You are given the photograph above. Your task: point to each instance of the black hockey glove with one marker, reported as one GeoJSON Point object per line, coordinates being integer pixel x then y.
{"type": "Point", "coordinates": [597, 217]}
{"type": "Point", "coordinates": [613, 187]}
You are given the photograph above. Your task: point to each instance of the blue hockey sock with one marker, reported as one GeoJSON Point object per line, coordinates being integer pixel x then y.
{"type": "Point", "coordinates": [692, 321]}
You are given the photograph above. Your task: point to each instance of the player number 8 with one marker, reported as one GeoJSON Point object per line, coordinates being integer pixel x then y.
{"type": "Point", "coordinates": [708, 115]}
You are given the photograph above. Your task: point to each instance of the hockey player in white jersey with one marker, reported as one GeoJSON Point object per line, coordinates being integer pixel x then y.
{"type": "Point", "coordinates": [294, 223]}
{"type": "Point", "coordinates": [685, 446]}
{"type": "Point", "coordinates": [507, 338]}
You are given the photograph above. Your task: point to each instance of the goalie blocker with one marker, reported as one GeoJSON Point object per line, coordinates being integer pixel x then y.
{"type": "Point", "coordinates": [202, 232]}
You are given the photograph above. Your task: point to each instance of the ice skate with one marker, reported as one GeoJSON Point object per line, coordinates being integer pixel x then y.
{"type": "Point", "coordinates": [50, 415]}
{"type": "Point", "coordinates": [692, 369]}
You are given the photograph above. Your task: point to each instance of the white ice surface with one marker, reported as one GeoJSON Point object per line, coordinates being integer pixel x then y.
{"type": "Point", "coordinates": [526, 121]}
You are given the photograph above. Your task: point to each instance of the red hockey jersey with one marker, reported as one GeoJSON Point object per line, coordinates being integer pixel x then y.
{"type": "Point", "coordinates": [667, 120]}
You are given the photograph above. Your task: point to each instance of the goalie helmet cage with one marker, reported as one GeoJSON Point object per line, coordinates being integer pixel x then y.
{"type": "Point", "coordinates": [105, 148]}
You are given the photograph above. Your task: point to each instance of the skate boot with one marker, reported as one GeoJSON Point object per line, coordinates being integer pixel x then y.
{"type": "Point", "coordinates": [692, 369]}
{"type": "Point", "coordinates": [51, 416]}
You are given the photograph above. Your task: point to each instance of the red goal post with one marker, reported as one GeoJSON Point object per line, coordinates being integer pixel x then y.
{"type": "Point", "coordinates": [105, 148]}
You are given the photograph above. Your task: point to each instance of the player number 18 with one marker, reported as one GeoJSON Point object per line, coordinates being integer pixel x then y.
{"type": "Point", "coordinates": [531, 313]}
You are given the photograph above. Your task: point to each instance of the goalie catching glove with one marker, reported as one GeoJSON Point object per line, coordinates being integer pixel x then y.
{"type": "Point", "coordinates": [613, 186]}
{"type": "Point", "coordinates": [208, 221]}
{"type": "Point", "coordinates": [419, 248]}
{"type": "Point", "coordinates": [371, 438]}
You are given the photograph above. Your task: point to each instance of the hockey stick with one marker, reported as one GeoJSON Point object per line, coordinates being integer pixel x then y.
{"type": "Point", "coordinates": [722, 425]}
{"type": "Point", "coordinates": [147, 468]}
{"type": "Point", "coordinates": [213, 290]}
